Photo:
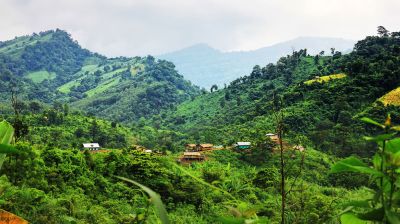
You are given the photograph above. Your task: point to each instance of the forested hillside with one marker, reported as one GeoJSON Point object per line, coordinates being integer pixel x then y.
{"type": "Point", "coordinates": [318, 108]}
{"type": "Point", "coordinates": [51, 66]}
{"type": "Point", "coordinates": [322, 97]}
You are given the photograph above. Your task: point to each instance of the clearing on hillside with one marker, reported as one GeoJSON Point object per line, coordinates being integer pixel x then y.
{"type": "Point", "coordinates": [391, 98]}
{"type": "Point", "coordinates": [325, 78]}
{"type": "Point", "coordinates": [40, 76]}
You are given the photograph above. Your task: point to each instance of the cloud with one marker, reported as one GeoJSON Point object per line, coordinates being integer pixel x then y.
{"type": "Point", "coordinates": [140, 27]}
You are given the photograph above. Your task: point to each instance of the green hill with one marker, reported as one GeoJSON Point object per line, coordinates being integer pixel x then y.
{"type": "Point", "coordinates": [325, 113]}
{"type": "Point", "coordinates": [51, 66]}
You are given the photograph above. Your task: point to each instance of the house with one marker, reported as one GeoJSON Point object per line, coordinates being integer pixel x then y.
{"type": "Point", "coordinates": [274, 137]}
{"type": "Point", "coordinates": [190, 147]}
{"type": "Point", "coordinates": [204, 147]}
{"type": "Point", "coordinates": [190, 156]}
{"type": "Point", "coordinates": [91, 146]}
{"type": "Point", "coordinates": [243, 145]}
{"type": "Point", "coordinates": [298, 147]}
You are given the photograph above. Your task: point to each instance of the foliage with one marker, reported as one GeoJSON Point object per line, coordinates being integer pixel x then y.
{"type": "Point", "coordinates": [383, 206]}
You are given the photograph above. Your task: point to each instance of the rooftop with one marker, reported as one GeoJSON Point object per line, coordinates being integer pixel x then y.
{"type": "Point", "coordinates": [91, 145]}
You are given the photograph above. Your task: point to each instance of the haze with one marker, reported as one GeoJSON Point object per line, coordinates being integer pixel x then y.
{"type": "Point", "coordinates": [141, 27]}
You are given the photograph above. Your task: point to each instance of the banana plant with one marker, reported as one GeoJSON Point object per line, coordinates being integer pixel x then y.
{"type": "Point", "coordinates": [383, 207]}
{"type": "Point", "coordinates": [6, 138]}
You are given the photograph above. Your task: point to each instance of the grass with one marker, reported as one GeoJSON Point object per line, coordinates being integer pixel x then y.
{"type": "Point", "coordinates": [326, 78]}
{"type": "Point", "coordinates": [110, 74]}
{"type": "Point", "coordinates": [102, 87]}
{"type": "Point", "coordinates": [391, 98]}
{"type": "Point", "coordinates": [66, 88]}
{"type": "Point", "coordinates": [40, 76]}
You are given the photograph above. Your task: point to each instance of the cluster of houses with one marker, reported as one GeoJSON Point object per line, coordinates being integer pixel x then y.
{"type": "Point", "coordinates": [194, 152]}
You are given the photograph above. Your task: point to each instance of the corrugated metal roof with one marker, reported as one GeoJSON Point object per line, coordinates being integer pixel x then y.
{"type": "Point", "coordinates": [206, 145]}
{"type": "Point", "coordinates": [192, 154]}
{"type": "Point", "coordinates": [243, 143]}
{"type": "Point", "coordinates": [91, 145]}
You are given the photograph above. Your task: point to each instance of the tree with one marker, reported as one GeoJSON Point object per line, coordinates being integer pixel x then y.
{"type": "Point", "coordinates": [227, 96]}
{"type": "Point", "coordinates": [382, 31]}
{"type": "Point", "coordinates": [94, 130]}
{"type": "Point", "coordinates": [238, 101]}
{"type": "Point", "coordinates": [66, 109]}
{"type": "Point", "coordinates": [316, 59]}
{"type": "Point", "coordinates": [332, 50]}
{"type": "Point", "coordinates": [214, 87]}
{"type": "Point", "coordinates": [35, 107]}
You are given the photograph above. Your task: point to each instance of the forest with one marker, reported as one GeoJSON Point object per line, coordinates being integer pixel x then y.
{"type": "Point", "coordinates": [334, 157]}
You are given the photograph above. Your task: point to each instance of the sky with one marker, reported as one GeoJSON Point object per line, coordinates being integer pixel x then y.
{"type": "Point", "coordinates": [142, 27]}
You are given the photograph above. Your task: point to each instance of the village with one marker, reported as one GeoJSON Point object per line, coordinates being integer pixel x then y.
{"type": "Point", "coordinates": [198, 152]}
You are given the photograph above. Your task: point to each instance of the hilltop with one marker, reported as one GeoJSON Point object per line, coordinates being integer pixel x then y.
{"type": "Point", "coordinates": [206, 66]}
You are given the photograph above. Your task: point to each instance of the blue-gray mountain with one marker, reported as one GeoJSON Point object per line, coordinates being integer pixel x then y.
{"type": "Point", "coordinates": [205, 66]}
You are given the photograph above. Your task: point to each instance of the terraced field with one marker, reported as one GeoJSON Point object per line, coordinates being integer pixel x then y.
{"type": "Point", "coordinates": [391, 98]}
{"type": "Point", "coordinates": [102, 87]}
{"type": "Point", "coordinates": [66, 88]}
{"type": "Point", "coordinates": [326, 78]}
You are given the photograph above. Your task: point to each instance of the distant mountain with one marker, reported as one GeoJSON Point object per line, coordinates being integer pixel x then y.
{"type": "Point", "coordinates": [205, 66]}
{"type": "Point", "coordinates": [51, 66]}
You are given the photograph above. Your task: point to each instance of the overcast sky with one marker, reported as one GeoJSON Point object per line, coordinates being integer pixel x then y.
{"type": "Point", "coordinates": [140, 27]}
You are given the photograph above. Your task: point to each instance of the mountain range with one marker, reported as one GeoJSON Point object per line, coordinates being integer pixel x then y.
{"type": "Point", "coordinates": [205, 66]}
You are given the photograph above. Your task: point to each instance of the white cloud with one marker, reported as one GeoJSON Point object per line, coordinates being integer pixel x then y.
{"type": "Point", "coordinates": [139, 27]}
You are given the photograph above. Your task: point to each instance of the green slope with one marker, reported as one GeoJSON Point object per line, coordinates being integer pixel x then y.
{"type": "Point", "coordinates": [40, 76]}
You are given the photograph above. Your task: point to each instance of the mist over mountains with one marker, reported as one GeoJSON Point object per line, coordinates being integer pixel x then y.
{"type": "Point", "coordinates": [205, 66]}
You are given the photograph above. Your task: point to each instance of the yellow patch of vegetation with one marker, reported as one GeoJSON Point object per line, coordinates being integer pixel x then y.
{"type": "Point", "coordinates": [325, 78]}
{"type": "Point", "coordinates": [391, 98]}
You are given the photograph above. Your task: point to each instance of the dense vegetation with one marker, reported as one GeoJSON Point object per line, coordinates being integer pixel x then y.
{"type": "Point", "coordinates": [50, 67]}
{"type": "Point", "coordinates": [130, 104]}
{"type": "Point", "coordinates": [325, 112]}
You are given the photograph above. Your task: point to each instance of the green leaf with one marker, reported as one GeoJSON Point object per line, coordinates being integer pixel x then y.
{"type": "Point", "coordinates": [373, 215]}
{"type": "Point", "coordinates": [155, 199]}
{"type": "Point", "coordinates": [359, 204]}
{"type": "Point", "coordinates": [370, 121]}
{"type": "Point", "coordinates": [6, 132]}
{"type": "Point", "coordinates": [7, 149]}
{"type": "Point", "coordinates": [376, 161]}
{"type": "Point", "coordinates": [393, 145]}
{"type": "Point", "coordinates": [353, 164]}
{"type": "Point", "coordinates": [350, 218]}
{"type": "Point", "coordinates": [379, 138]}
{"type": "Point", "coordinates": [395, 159]}
{"type": "Point", "coordinates": [396, 128]}
{"type": "Point", "coordinates": [393, 217]}
{"type": "Point", "coordinates": [6, 136]}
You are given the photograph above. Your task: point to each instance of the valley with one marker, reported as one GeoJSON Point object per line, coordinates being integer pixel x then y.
{"type": "Point", "coordinates": [333, 157]}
